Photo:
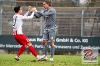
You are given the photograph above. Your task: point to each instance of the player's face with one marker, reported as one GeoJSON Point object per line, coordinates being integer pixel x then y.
{"type": "Point", "coordinates": [45, 5]}
{"type": "Point", "coordinates": [20, 11]}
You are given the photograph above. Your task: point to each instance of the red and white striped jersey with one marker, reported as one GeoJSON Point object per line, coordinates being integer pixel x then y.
{"type": "Point", "coordinates": [18, 22]}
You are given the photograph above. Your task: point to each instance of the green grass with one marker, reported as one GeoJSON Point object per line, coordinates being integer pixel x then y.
{"type": "Point", "coordinates": [59, 60]}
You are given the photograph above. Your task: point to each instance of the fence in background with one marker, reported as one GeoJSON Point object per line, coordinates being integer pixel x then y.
{"type": "Point", "coordinates": [55, 3]}
{"type": "Point", "coordinates": [0, 21]}
{"type": "Point", "coordinates": [68, 20]}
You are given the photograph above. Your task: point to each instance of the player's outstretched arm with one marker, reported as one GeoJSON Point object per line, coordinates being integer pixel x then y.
{"type": "Point", "coordinates": [38, 15]}
{"type": "Point", "coordinates": [28, 17]}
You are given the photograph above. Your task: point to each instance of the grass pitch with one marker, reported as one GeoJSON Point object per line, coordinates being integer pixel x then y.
{"type": "Point", "coordinates": [59, 60]}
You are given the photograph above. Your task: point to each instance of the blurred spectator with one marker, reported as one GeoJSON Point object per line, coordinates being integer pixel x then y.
{"type": "Point", "coordinates": [74, 2]}
{"type": "Point", "coordinates": [83, 3]}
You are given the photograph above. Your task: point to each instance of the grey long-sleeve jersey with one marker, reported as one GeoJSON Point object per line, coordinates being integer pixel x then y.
{"type": "Point", "coordinates": [49, 18]}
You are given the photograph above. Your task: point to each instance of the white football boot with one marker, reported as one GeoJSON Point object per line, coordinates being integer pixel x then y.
{"type": "Point", "coordinates": [51, 59]}
{"type": "Point", "coordinates": [17, 58]}
{"type": "Point", "coordinates": [44, 58]}
{"type": "Point", "coordinates": [38, 58]}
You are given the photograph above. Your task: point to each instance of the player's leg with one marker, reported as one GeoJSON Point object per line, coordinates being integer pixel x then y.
{"type": "Point", "coordinates": [52, 50]}
{"type": "Point", "coordinates": [45, 47]}
{"type": "Point", "coordinates": [23, 40]}
{"type": "Point", "coordinates": [20, 51]}
{"type": "Point", "coordinates": [30, 46]}
{"type": "Point", "coordinates": [22, 48]}
{"type": "Point", "coordinates": [19, 39]}
{"type": "Point", "coordinates": [44, 43]}
{"type": "Point", "coordinates": [52, 35]}
{"type": "Point", "coordinates": [32, 50]}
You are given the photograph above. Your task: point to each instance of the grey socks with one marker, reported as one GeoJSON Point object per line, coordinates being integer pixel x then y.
{"type": "Point", "coordinates": [45, 50]}
{"type": "Point", "coordinates": [52, 51]}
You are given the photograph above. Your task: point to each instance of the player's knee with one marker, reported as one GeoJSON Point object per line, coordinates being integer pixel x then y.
{"type": "Point", "coordinates": [29, 44]}
{"type": "Point", "coordinates": [25, 45]}
{"type": "Point", "coordinates": [44, 42]}
{"type": "Point", "coordinates": [51, 43]}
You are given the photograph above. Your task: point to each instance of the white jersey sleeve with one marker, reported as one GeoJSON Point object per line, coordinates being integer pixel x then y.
{"type": "Point", "coordinates": [26, 13]}
{"type": "Point", "coordinates": [27, 17]}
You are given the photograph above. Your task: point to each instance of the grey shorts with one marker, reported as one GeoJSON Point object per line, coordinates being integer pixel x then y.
{"type": "Point", "coordinates": [50, 34]}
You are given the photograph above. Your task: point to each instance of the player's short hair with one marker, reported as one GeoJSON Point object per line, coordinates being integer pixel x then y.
{"type": "Point", "coordinates": [48, 2]}
{"type": "Point", "coordinates": [16, 9]}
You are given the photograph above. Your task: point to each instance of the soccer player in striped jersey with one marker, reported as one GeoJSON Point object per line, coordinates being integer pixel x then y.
{"type": "Point", "coordinates": [18, 34]}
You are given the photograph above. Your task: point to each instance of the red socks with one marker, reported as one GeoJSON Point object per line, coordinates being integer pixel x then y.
{"type": "Point", "coordinates": [31, 48]}
{"type": "Point", "coordinates": [21, 50]}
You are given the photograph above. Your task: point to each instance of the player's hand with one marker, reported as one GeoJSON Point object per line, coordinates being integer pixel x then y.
{"type": "Point", "coordinates": [35, 9]}
{"type": "Point", "coordinates": [32, 10]}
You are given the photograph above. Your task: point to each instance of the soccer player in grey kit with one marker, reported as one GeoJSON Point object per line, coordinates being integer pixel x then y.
{"type": "Point", "coordinates": [50, 28]}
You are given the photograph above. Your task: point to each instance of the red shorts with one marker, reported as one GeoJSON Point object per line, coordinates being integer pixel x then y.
{"type": "Point", "coordinates": [21, 39]}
